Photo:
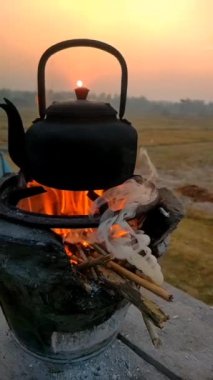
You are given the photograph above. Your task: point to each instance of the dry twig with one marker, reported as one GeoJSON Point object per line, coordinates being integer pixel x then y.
{"type": "Point", "coordinates": [152, 331]}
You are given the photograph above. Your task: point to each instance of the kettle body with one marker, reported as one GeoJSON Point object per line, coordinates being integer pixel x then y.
{"type": "Point", "coordinates": [84, 150]}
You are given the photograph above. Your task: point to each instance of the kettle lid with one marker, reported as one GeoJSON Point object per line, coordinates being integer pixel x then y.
{"type": "Point", "coordinates": [80, 109]}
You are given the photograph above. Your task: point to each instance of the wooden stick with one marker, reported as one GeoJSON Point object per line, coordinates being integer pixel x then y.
{"type": "Point", "coordinates": [101, 260]}
{"type": "Point", "coordinates": [81, 253]}
{"type": "Point", "coordinates": [86, 261]}
{"type": "Point", "coordinates": [75, 258]}
{"type": "Point", "coordinates": [133, 295]}
{"type": "Point", "coordinates": [149, 307]}
{"type": "Point", "coordinates": [156, 289]}
{"type": "Point", "coordinates": [140, 281]}
{"type": "Point", "coordinates": [152, 331]}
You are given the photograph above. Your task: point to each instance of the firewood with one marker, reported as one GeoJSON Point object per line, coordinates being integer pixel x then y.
{"type": "Point", "coordinates": [152, 287]}
{"type": "Point", "coordinates": [86, 262]}
{"type": "Point", "coordinates": [101, 260]}
{"type": "Point", "coordinates": [145, 305]}
{"type": "Point", "coordinates": [152, 331]}
{"type": "Point", "coordinates": [81, 253]}
{"type": "Point", "coordinates": [110, 277]}
{"type": "Point", "coordinates": [150, 308]}
{"type": "Point", "coordinates": [94, 274]}
{"type": "Point", "coordinates": [73, 258]}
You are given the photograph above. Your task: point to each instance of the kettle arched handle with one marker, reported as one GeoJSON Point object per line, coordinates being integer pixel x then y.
{"type": "Point", "coordinates": [78, 43]}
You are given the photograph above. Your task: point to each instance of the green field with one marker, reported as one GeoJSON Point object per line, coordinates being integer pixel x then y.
{"type": "Point", "coordinates": [182, 151]}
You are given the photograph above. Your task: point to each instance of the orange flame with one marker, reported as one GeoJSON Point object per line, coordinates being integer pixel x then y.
{"type": "Point", "coordinates": [59, 202]}
{"type": "Point", "coordinates": [64, 202]}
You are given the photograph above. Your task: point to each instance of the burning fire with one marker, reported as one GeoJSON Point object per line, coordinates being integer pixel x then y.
{"type": "Point", "coordinates": [59, 202]}
{"type": "Point", "coordinates": [62, 202]}
{"type": "Point", "coordinates": [126, 241]}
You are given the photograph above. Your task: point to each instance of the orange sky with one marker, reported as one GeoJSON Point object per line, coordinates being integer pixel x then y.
{"type": "Point", "coordinates": [168, 45]}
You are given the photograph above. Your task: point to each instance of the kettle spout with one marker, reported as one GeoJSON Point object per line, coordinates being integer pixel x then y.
{"type": "Point", "coordinates": [16, 134]}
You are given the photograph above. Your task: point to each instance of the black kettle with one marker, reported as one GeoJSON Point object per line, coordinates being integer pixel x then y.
{"type": "Point", "coordinates": [75, 145]}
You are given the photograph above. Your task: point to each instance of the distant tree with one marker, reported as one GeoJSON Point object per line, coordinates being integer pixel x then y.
{"type": "Point", "coordinates": [136, 106]}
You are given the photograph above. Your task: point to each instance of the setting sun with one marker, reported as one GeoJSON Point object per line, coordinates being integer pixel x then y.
{"type": "Point", "coordinates": [79, 83]}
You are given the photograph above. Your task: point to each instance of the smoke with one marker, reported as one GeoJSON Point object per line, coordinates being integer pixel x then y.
{"type": "Point", "coordinates": [122, 240]}
{"type": "Point", "coordinates": [145, 167]}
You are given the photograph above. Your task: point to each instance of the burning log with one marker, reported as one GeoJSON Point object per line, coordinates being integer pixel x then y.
{"type": "Point", "coordinates": [86, 262]}
{"type": "Point", "coordinates": [94, 262]}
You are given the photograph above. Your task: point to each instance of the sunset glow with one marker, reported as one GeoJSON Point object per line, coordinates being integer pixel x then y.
{"type": "Point", "coordinates": [168, 45]}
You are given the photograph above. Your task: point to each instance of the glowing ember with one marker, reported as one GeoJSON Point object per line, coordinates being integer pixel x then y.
{"type": "Point", "coordinates": [70, 255]}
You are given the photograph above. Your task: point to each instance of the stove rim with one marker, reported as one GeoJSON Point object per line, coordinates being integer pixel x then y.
{"type": "Point", "coordinates": [11, 193]}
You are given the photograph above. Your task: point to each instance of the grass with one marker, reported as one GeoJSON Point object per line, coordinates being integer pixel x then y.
{"type": "Point", "coordinates": [188, 263]}
{"type": "Point", "coordinates": [175, 142]}
{"type": "Point", "coordinates": [181, 156]}
{"type": "Point", "coordinates": [182, 148]}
